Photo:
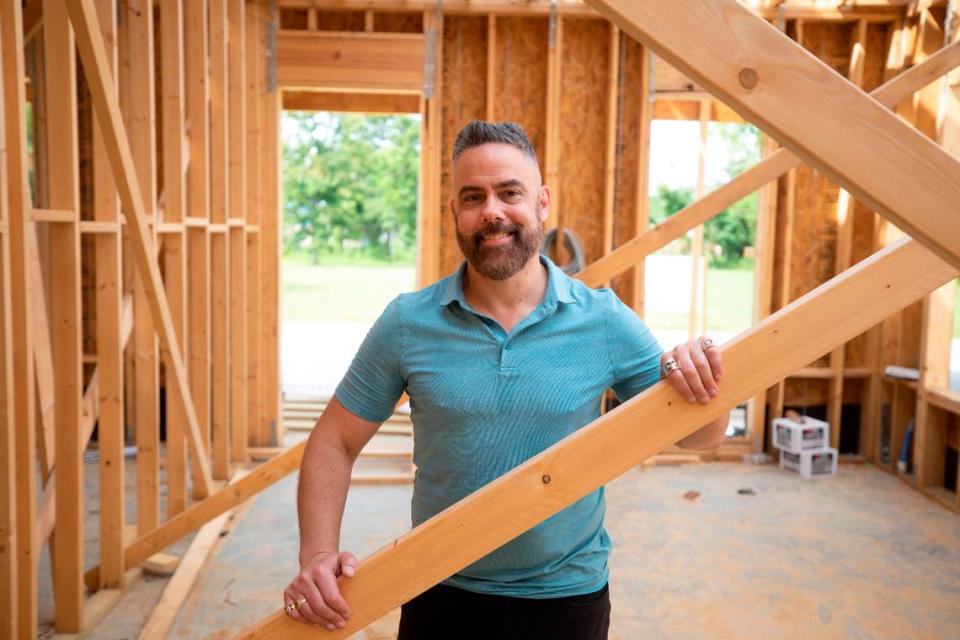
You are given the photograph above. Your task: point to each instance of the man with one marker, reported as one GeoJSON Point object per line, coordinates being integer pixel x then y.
{"type": "Point", "coordinates": [500, 360]}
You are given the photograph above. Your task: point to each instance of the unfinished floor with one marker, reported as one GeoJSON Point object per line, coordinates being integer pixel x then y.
{"type": "Point", "coordinates": [859, 555]}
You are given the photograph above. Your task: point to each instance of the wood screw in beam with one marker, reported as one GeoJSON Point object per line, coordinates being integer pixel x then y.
{"type": "Point", "coordinates": [748, 78]}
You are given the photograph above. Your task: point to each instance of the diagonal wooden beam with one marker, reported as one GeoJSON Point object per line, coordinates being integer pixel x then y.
{"type": "Point", "coordinates": [775, 165]}
{"type": "Point", "coordinates": [831, 314]}
{"type": "Point", "coordinates": [93, 56]}
{"type": "Point", "coordinates": [775, 83]}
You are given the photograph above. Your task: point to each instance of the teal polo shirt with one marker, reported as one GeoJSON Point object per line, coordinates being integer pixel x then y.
{"type": "Point", "coordinates": [484, 401]}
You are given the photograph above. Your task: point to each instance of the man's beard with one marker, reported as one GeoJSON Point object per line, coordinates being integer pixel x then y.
{"type": "Point", "coordinates": [502, 262]}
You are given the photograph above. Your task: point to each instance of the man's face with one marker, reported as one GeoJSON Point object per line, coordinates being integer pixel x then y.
{"type": "Point", "coordinates": [499, 206]}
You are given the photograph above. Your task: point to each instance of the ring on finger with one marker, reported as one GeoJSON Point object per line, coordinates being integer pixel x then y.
{"type": "Point", "coordinates": [291, 608]}
{"type": "Point", "coordinates": [706, 343]}
{"type": "Point", "coordinates": [670, 366]}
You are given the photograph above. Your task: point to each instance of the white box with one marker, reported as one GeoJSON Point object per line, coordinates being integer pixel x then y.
{"type": "Point", "coordinates": [800, 435]}
{"type": "Point", "coordinates": [812, 462]}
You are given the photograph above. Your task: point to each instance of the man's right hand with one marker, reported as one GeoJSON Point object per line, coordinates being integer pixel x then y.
{"type": "Point", "coordinates": [316, 588]}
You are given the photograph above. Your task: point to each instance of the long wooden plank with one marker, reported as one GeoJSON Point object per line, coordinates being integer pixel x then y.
{"type": "Point", "coordinates": [609, 446]}
{"type": "Point", "coordinates": [141, 122]}
{"type": "Point", "coordinates": [770, 168]}
{"type": "Point", "coordinates": [255, 78]}
{"type": "Point", "coordinates": [18, 198]}
{"type": "Point", "coordinates": [93, 56]}
{"type": "Point", "coordinates": [60, 71]}
{"type": "Point", "coordinates": [174, 246]}
{"type": "Point", "coordinates": [196, 80]}
{"type": "Point", "coordinates": [238, 241]}
{"type": "Point", "coordinates": [108, 257]}
{"type": "Point", "coordinates": [8, 477]}
{"type": "Point", "coordinates": [779, 86]}
{"type": "Point", "coordinates": [220, 298]}
{"type": "Point", "coordinates": [342, 61]}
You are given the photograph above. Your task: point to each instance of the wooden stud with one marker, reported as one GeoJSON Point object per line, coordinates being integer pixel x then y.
{"type": "Point", "coordinates": [845, 214]}
{"type": "Point", "coordinates": [837, 146]}
{"type": "Point", "coordinates": [93, 56]}
{"type": "Point", "coordinates": [141, 119]}
{"type": "Point", "coordinates": [109, 291]}
{"type": "Point", "coordinates": [8, 466]}
{"type": "Point", "coordinates": [491, 67]}
{"type": "Point", "coordinates": [219, 243]}
{"type": "Point", "coordinates": [698, 269]}
{"type": "Point", "coordinates": [368, 20]}
{"type": "Point", "coordinates": [18, 197]}
{"type": "Point", "coordinates": [270, 235]}
{"type": "Point", "coordinates": [610, 168]}
{"type": "Point", "coordinates": [196, 80]}
{"type": "Point", "coordinates": [610, 445]}
{"type": "Point", "coordinates": [552, 146]}
{"type": "Point", "coordinates": [174, 246]}
{"type": "Point", "coordinates": [238, 242]}
{"type": "Point", "coordinates": [428, 220]}
{"type": "Point", "coordinates": [255, 79]}
{"type": "Point", "coordinates": [364, 102]}
{"type": "Point", "coordinates": [642, 206]}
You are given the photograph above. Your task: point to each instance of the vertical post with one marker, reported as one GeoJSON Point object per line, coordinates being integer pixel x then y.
{"type": "Point", "coordinates": [643, 173]}
{"type": "Point", "coordinates": [845, 213]}
{"type": "Point", "coordinates": [254, 60]}
{"type": "Point", "coordinates": [270, 225]}
{"type": "Point", "coordinates": [11, 39]}
{"type": "Point", "coordinates": [610, 169]}
{"type": "Point", "coordinates": [428, 224]}
{"type": "Point", "coordinates": [174, 246]}
{"type": "Point", "coordinates": [552, 146]}
{"type": "Point", "coordinates": [109, 352]}
{"type": "Point", "coordinates": [698, 280]}
{"type": "Point", "coordinates": [238, 234]}
{"type": "Point", "coordinates": [219, 245]}
{"type": "Point", "coordinates": [140, 122]}
{"type": "Point", "coordinates": [198, 217]}
{"type": "Point", "coordinates": [491, 66]}
{"type": "Point", "coordinates": [8, 465]}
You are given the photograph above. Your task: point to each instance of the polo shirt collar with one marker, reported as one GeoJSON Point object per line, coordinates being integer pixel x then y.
{"type": "Point", "coordinates": [558, 285]}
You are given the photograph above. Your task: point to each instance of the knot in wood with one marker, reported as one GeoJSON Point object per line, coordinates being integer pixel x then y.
{"type": "Point", "coordinates": [546, 479]}
{"type": "Point", "coordinates": [748, 78]}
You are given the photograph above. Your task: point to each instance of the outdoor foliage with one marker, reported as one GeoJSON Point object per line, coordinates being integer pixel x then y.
{"type": "Point", "coordinates": [350, 185]}
{"type": "Point", "coordinates": [733, 229]}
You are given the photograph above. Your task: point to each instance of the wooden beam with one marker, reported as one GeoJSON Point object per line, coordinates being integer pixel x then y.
{"type": "Point", "coordinates": [351, 102]}
{"type": "Point", "coordinates": [610, 161]}
{"type": "Point", "coordinates": [609, 446]}
{"type": "Point", "coordinates": [770, 168]}
{"type": "Point", "coordinates": [65, 316]}
{"type": "Point", "coordinates": [93, 55]}
{"type": "Point", "coordinates": [19, 201]}
{"type": "Point", "coordinates": [698, 267]}
{"type": "Point", "coordinates": [8, 466]}
{"type": "Point", "coordinates": [844, 250]}
{"type": "Point", "coordinates": [255, 81]}
{"type": "Point", "coordinates": [428, 218]}
{"type": "Point", "coordinates": [238, 241]}
{"type": "Point", "coordinates": [642, 206]}
{"type": "Point", "coordinates": [271, 216]}
{"type": "Point", "coordinates": [220, 328]}
{"type": "Point", "coordinates": [552, 146]}
{"type": "Point", "coordinates": [196, 81]}
{"type": "Point", "coordinates": [750, 77]}
{"type": "Point", "coordinates": [491, 67]}
{"type": "Point", "coordinates": [141, 122]}
{"type": "Point", "coordinates": [348, 61]}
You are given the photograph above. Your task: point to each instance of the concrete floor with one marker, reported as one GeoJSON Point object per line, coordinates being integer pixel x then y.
{"type": "Point", "coordinates": [858, 555]}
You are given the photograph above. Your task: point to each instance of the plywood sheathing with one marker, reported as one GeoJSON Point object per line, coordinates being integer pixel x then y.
{"type": "Point", "coordinates": [398, 22]}
{"type": "Point", "coordinates": [521, 77]}
{"type": "Point", "coordinates": [583, 116]}
{"type": "Point", "coordinates": [464, 99]}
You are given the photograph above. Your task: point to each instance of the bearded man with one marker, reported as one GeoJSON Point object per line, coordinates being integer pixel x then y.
{"type": "Point", "coordinates": [501, 359]}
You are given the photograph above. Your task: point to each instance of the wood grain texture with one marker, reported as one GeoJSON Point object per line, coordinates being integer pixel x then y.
{"type": "Point", "coordinates": [787, 101]}
{"type": "Point", "coordinates": [610, 445]}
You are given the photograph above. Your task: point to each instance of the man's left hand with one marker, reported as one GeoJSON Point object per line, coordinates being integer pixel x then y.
{"type": "Point", "coordinates": [694, 369]}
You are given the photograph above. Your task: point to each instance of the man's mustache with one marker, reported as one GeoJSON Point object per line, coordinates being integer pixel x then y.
{"type": "Point", "coordinates": [495, 229]}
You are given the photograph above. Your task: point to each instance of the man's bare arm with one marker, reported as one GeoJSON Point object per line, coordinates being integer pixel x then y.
{"type": "Point", "coordinates": [332, 448]}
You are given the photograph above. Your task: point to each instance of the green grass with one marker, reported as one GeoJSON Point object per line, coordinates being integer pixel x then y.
{"type": "Point", "coordinates": [352, 291]}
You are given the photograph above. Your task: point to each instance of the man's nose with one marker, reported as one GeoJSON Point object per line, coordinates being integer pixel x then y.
{"type": "Point", "coordinates": [492, 209]}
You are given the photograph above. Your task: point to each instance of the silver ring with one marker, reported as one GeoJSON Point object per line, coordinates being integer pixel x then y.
{"type": "Point", "coordinates": [706, 343]}
{"type": "Point", "coordinates": [290, 608]}
{"type": "Point", "coordinates": [670, 366]}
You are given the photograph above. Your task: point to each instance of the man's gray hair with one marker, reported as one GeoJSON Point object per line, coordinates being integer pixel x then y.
{"type": "Point", "coordinates": [481, 132]}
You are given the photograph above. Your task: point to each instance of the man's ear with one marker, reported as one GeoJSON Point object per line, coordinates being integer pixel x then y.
{"type": "Point", "coordinates": [544, 199]}
{"type": "Point", "coordinates": [453, 210]}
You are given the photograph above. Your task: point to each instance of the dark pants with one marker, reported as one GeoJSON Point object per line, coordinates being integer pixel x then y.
{"type": "Point", "coordinates": [448, 613]}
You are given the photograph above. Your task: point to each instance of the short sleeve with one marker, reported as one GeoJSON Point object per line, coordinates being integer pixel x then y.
{"type": "Point", "coordinates": [634, 352]}
{"type": "Point", "coordinates": [374, 382]}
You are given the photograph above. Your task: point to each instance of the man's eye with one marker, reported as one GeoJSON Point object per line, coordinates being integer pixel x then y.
{"type": "Point", "coordinates": [472, 198]}
{"type": "Point", "coordinates": [512, 194]}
